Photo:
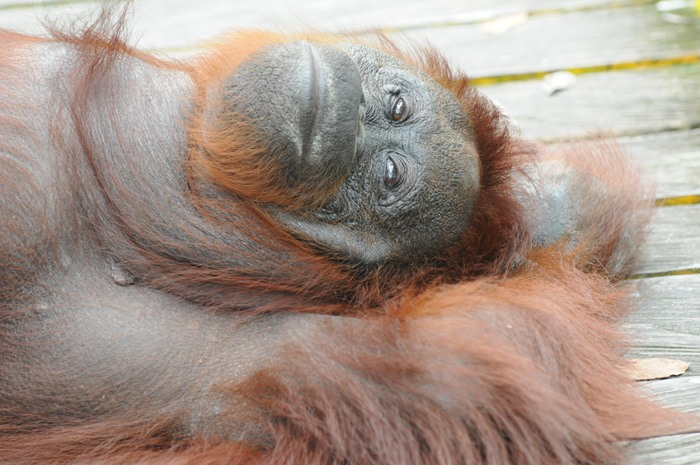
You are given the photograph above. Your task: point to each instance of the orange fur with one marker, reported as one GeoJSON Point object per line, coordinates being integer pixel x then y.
{"type": "Point", "coordinates": [489, 354]}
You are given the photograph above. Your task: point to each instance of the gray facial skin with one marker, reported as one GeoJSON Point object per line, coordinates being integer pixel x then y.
{"type": "Point", "coordinates": [306, 101]}
{"type": "Point", "coordinates": [397, 145]}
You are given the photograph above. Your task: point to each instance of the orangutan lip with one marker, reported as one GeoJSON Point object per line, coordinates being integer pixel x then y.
{"type": "Point", "coordinates": [313, 99]}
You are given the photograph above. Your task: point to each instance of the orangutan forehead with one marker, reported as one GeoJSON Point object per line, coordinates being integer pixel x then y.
{"type": "Point", "coordinates": [385, 65]}
{"type": "Point", "coordinates": [378, 59]}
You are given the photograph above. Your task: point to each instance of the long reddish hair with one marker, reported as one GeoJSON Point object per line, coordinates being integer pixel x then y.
{"type": "Point", "coordinates": [489, 353]}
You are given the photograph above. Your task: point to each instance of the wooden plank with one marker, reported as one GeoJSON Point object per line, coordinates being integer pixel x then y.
{"type": "Point", "coordinates": [181, 23]}
{"type": "Point", "coordinates": [622, 103]}
{"type": "Point", "coordinates": [673, 242]}
{"type": "Point", "coordinates": [652, 342]}
{"type": "Point", "coordinates": [667, 324]}
{"type": "Point", "coordinates": [671, 159]}
{"type": "Point", "coordinates": [681, 449]}
{"type": "Point", "coordinates": [667, 321]}
{"type": "Point", "coordinates": [217, 16]}
{"type": "Point", "coordinates": [23, 5]}
{"type": "Point", "coordinates": [681, 393]}
{"type": "Point", "coordinates": [499, 6]}
{"type": "Point", "coordinates": [174, 24]}
{"type": "Point", "coordinates": [568, 41]}
{"type": "Point", "coordinates": [670, 303]}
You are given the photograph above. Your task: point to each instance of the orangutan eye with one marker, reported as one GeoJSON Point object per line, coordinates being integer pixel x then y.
{"type": "Point", "coordinates": [391, 175]}
{"type": "Point", "coordinates": [399, 112]}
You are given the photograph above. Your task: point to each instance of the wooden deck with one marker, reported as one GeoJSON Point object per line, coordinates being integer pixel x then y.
{"type": "Point", "coordinates": [638, 77]}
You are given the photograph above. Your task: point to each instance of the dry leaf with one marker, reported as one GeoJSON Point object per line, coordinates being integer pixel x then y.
{"type": "Point", "coordinates": [503, 24]}
{"type": "Point", "coordinates": [645, 369]}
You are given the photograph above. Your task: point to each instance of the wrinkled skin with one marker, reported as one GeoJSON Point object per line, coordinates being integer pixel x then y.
{"type": "Point", "coordinates": [397, 145]}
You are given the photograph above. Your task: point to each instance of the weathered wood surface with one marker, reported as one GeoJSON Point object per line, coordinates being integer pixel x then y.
{"type": "Point", "coordinates": [557, 34]}
{"type": "Point", "coordinates": [673, 242]}
{"type": "Point", "coordinates": [670, 450]}
{"type": "Point", "coordinates": [178, 23]}
{"type": "Point", "coordinates": [672, 158]}
{"type": "Point", "coordinates": [655, 109]}
{"type": "Point", "coordinates": [622, 102]}
{"type": "Point", "coordinates": [562, 41]}
{"type": "Point", "coordinates": [667, 321]}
